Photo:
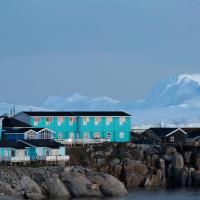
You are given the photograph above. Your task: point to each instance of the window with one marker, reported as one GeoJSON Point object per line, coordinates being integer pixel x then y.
{"type": "Point", "coordinates": [47, 152]}
{"type": "Point", "coordinates": [108, 135]}
{"type": "Point", "coordinates": [6, 153]}
{"type": "Point", "coordinates": [121, 135]}
{"type": "Point", "coordinates": [60, 135]}
{"type": "Point", "coordinates": [122, 120]}
{"type": "Point", "coordinates": [48, 120]}
{"type": "Point", "coordinates": [39, 152]}
{"type": "Point", "coordinates": [72, 120]}
{"type": "Point", "coordinates": [172, 139]}
{"type": "Point", "coordinates": [36, 121]}
{"type": "Point", "coordinates": [86, 135]}
{"type": "Point", "coordinates": [60, 120]}
{"type": "Point", "coordinates": [96, 135]}
{"type": "Point", "coordinates": [26, 152]}
{"type": "Point", "coordinates": [13, 153]}
{"type": "Point", "coordinates": [97, 121]}
{"type": "Point", "coordinates": [85, 120]}
{"type": "Point", "coordinates": [109, 120]}
{"type": "Point", "coordinates": [71, 135]}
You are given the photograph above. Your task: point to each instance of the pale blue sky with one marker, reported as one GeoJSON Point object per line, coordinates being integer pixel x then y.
{"type": "Point", "coordinates": [117, 48]}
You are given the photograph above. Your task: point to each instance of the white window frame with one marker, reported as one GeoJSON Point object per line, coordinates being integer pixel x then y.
{"type": "Point", "coordinates": [71, 135]}
{"type": "Point", "coordinates": [97, 135]}
{"type": "Point", "coordinates": [60, 120]}
{"type": "Point", "coordinates": [86, 135]}
{"type": "Point", "coordinates": [121, 135]}
{"type": "Point", "coordinates": [172, 139]}
{"type": "Point", "coordinates": [85, 121]}
{"type": "Point", "coordinates": [109, 120]}
{"type": "Point", "coordinates": [72, 120]}
{"type": "Point", "coordinates": [122, 120]}
{"type": "Point", "coordinates": [49, 121]}
{"type": "Point", "coordinates": [97, 121]}
{"type": "Point", "coordinates": [109, 135]}
{"type": "Point", "coordinates": [36, 121]}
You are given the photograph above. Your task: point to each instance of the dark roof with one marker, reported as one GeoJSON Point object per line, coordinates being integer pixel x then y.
{"type": "Point", "coordinates": [13, 144]}
{"type": "Point", "coordinates": [78, 113]}
{"type": "Point", "coordinates": [49, 113]}
{"type": "Point", "coordinates": [21, 130]}
{"type": "Point", "coordinates": [101, 113]}
{"type": "Point", "coordinates": [161, 132]}
{"type": "Point", "coordinates": [192, 132]}
{"type": "Point", "coordinates": [44, 143]}
{"type": "Point", "coordinates": [12, 122]}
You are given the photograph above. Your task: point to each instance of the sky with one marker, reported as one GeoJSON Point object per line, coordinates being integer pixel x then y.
{"type": "Point", "coordinates": [115, 48]}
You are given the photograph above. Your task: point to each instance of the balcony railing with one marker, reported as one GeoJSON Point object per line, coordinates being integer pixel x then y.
{"type": "Point", "coordinates": [52, 158]}
{"type": "Point", "coordinates": [83, 141]}
{"type": "Point", "coordinates": [15, 159]}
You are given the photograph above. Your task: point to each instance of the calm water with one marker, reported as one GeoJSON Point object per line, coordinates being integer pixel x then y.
{"type": "Point", "coordinates": [164, 194]}
{"type": "Point", "coordinates": [154, 194]}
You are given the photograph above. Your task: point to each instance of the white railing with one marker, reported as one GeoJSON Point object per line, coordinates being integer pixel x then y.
{"type": "Point", "coordinates": [83, 141]}
{"type": "Point", "coordinates": [15, 159]}
{"type": "Point", "coordinates": [52, 158]}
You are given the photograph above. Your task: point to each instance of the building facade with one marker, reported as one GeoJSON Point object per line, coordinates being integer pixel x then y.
{"type": "Point", "coordinates": [113, 126]}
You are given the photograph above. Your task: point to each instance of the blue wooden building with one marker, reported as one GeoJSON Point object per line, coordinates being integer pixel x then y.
{"type": "Point", "coordinates": [112, 126]}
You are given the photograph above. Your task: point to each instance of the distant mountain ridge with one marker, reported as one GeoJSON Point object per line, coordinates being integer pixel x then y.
{"type": "Point", "coordinates": [174, 101]}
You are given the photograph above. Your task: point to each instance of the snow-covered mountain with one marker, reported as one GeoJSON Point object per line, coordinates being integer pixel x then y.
{"type": "Point", "coordinates": [174, 101]}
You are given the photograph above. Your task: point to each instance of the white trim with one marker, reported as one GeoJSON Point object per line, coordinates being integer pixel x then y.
{"type": "Point", "coordinates": [30, 130]}
{"type": "Point", "coordinates": [178, 129]}
{"type": "Point", "coordinates": [46, 129]}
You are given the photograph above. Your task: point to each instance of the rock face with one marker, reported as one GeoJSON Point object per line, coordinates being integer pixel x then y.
{"type": "Point", "coordinates": [79, 185]}
{"type": "Point", "coordinates": [30, 189]}
{"type": "Point", "coordinates": [108, 185]}
{"type": "Point", "coordinates": [56, 189]}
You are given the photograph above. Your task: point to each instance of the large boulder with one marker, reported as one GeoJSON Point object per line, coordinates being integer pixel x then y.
{"type": "Point", "coordinates": [135, 180]}
{"type": "Point", "coordinates": [56, 189]}
{"type": "Point", "coordinates": [136, 167]}
{"type": "Point", "coordinates": [30, 189]}
{"type": "Point", "coordinates": [6, 189]}
{"type": "Point", "coordinates": [109, 185]}
{"type": "Point", "coordinates": [79, 185]}
{"type": "Point", "coordinates": [177, 161]}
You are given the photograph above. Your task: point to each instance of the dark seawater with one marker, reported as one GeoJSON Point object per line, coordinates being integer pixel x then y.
{"type": "Point", "coordinates": [164, 194]}
{"type": "Point", "coordinates": [151, 194]}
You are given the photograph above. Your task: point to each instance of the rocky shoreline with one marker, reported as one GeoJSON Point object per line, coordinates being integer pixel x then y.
{"type": "Point", "coordinates": [95, 172]}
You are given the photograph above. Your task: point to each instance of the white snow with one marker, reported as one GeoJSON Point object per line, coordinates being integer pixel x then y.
{"type": "Point", "coordinates": [174, 101]}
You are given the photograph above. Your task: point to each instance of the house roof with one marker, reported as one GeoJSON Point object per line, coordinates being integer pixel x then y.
{"type": "Point", "coordinates": [101, 113]}
{"type": "Point", "coordinates": [13, 144]}
{"type": "Point", "coordinates": [22, 130]}
{"type": "Point", "coordinates": [162, 132]}
{"type": "Point", "coordinates": [43, 143]}
{"type": "Point", "coordinates": [49, 113]}
{"type": "Point", "coordinates": [78, 113]}
{"type": "Point", "coordinates": [192, 132]}
{"type": "Point", "coordinates": [12, 122]}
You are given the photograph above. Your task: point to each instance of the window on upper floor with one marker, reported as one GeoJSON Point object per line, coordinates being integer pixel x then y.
{"type": "Point", "coordinates": [109, 120]}
{"type": "Point", "coordinates": [36, 121]}
{"type": "Point", "coordinates": [86, 120]}
{"type": "Point", "coordinates": [60, 120]}
{"type": "Point", "coordinates": [121, 135]}
{"type": "Point", "coordinates": [122, 120]}
{"type": "Point", "coordinates": [171, 139]}
{"type": "Point", "coordinates": [97, 121]}
{"type": "Point", "coordinates": [48, 120]}
{"type": "Point", "coordinates": [72, 120]}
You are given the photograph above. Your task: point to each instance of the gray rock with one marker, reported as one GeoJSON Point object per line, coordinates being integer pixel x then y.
{"type": "Point", "coordinates": [136, 167]}
{"type": "Point", "coordinates": [135, 180]}
{"type": "Point", "coordinates": [31, 189]}
{"type": "Point", "coordinates": [56, 189]}
{"type": "Point", "coordinates": [109, 185]}
{"type": "Point", "coordinates": [177, 161]}
{"type": "Point", "coordinates": [79, 185]}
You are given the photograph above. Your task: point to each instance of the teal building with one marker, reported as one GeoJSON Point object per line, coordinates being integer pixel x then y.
{"type": "Point", "coordinates": [114, 126]}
